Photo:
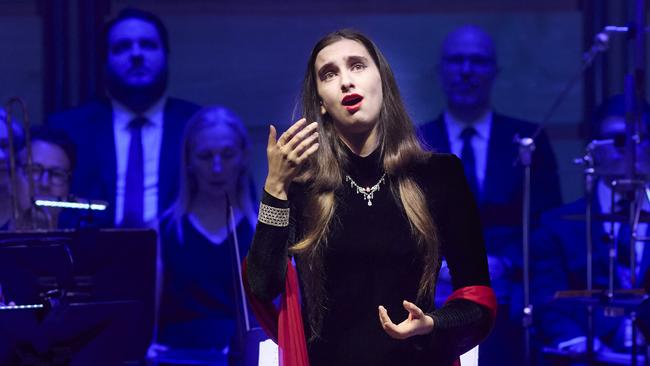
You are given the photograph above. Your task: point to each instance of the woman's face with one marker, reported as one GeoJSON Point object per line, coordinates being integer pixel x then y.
{"type": "Point", "coordinates": [216, 160]}
{"type": "Point", "coordinates": [349, 85]}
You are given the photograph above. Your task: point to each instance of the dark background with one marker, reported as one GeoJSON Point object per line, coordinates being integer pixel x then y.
{"type": "Point", "coordinates": [250, 56]}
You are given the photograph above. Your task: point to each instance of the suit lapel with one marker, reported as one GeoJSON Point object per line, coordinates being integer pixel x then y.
{"type": "Point", "coordinates": [103, 128]}
{"type": "Point", "coordinates": [170, 152]}
{"type": "Point", "coordinates": [498, 181]}
{"type": "Point", "coordinates": [494, 161]}
{"type": "Point", "coordinates": [436, 136]}
{"type": "Point", "coordinates": [442, 135]}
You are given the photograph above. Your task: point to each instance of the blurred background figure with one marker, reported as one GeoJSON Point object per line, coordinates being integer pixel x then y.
{"type": "Point", "coordinates": [53, 160]}
{"type": "Point", "coordinates": [559, 245]}
{"type": "Point", "coordinates": [197, 310]}
{"type": "Point", "coordinates": [484, 140]}
{"type": "Point", "coordinates": [5, 184]}
{"type": "Point", "coordinates": [122, 139]}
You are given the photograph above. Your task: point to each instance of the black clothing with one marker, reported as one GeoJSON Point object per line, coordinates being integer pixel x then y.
{"type": "Point", "coordinates": [500, 205]}
{"type": "Point", "coordinates": [371, 258]}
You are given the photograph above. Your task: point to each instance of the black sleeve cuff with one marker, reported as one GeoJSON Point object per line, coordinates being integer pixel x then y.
{"type": "Point", "coordinates": [272, 201]}
{"type": "Point", "coordinates": [459, 326]}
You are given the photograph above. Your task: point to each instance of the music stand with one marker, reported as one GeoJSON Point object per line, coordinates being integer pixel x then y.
{"type": "Point", "coordinates": [74, 334]}
{"type": "Point", "coordinates": [81, 279]}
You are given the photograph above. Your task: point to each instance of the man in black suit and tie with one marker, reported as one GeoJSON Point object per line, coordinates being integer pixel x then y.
{"type": "Point", "coordinates": [485, 141]}
{"type": "Point", "coordinates": [129, 143]}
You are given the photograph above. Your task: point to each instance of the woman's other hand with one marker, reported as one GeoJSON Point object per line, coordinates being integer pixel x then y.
{"type": "Point", "coordinates": [417, 323]}
{"type": "Point", "coordinates": [287, 154]}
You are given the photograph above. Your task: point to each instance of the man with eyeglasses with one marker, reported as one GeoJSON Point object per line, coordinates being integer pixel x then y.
{"type": "Point", "coordinates": [484, 140]}
{"type": "Point", "coordinates": [53, 158]}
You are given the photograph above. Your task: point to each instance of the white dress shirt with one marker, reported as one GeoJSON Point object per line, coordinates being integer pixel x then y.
{"type": "Point", "coordinates": [605, 200]}
{"type": "Point", "coordinates": [152, 133]}
{"type": "Point", "coordinates": [480, 141]}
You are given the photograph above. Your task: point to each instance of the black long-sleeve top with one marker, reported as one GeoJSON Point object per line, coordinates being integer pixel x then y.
{"type": "Point", "coordinates": [372, 258]}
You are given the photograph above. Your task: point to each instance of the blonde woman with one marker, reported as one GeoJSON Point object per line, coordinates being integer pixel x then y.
{"type": "Point", "coordinates": [197, 304]}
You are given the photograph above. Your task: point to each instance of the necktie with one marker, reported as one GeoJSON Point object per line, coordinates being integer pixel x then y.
{"type": "Point", "coordinates": [134, 187]}
{"type": "Point", "coordinates": [469, 160]}
{"type": "Point", "coordinates": [624, 235]}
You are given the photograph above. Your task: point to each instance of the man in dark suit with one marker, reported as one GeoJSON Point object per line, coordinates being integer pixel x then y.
{"type": "Point", "coordinates": [485, 141]}
{"type": "Point", "coordinates": [129, 143]}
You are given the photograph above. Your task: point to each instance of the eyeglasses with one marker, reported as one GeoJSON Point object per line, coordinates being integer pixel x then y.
{"type": "Point", "coordinates": [56, 176]}
{"type": "Point", "coordinates": [475, 61]}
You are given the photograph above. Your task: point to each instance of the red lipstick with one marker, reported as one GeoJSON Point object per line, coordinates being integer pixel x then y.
{"type": "Point", "coordinates": [352, 102]}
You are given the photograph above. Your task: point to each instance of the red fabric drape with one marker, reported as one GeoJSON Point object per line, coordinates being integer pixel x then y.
{"type": "Point", "coordinates": [284, 326]}
{"type": "Point", "coordinates": [482, 295]}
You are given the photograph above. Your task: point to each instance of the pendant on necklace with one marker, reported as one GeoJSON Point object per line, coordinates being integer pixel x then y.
{"type": "Point", "coordinates": [367, 192]}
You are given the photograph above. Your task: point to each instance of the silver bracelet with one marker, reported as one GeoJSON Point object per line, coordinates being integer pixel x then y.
{"type": "Point", "coordinates": [274, 216]}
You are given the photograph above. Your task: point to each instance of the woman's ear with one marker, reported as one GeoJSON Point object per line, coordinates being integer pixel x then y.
{"type": "Point", "coordinates": [323, 111]}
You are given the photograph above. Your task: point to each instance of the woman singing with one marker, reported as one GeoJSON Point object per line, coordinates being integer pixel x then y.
{"type": "Point", "coordinates": [367, 215]}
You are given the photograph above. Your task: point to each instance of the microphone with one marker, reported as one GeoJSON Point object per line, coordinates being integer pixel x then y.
{"type": "Point", "coordinates": [601, 41]}
{"type": "Point", "coordinates": [601, 44]}
{"type": "Point", "coordinates": [526, 148]}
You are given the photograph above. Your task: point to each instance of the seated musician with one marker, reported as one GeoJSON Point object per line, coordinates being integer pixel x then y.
{"type": "Point", "coordinates": [559, 254]}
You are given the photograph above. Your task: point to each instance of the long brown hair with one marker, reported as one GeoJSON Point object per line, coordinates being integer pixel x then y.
{"type": "Point", "coordinates": [400, 151]}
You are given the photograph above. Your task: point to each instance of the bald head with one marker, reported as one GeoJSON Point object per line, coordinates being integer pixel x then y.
{"type": "Point", "coordinates": [467, 71]}
{"type": "Point", "coordinates": [469, 38]}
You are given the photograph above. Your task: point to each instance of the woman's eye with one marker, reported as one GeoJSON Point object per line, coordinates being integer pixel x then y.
{"type": "Point", "coordinates": [328, 75]}
{"type": "Point", "coordinates": [358, 66]}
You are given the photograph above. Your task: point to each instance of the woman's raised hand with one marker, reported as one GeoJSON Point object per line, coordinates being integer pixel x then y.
{"type": "Point", "coordinates": [287, 154]}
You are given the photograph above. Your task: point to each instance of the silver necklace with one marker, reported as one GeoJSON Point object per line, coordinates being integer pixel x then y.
{"type": "Point", "coordinates": [367, 192]}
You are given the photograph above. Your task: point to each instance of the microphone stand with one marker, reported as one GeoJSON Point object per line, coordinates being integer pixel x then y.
{"type": "Point", "coordinates": [601, 45]}
{"type": "Point", "coordinates": [631, 128]}
{"type": "Point", "coordinates": [241, 311]}
{"type": "Point", "coordinates": [589, 192]}
{"type": "Point", "coordinates": [526, 148]}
